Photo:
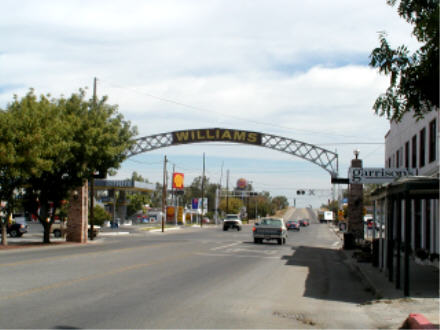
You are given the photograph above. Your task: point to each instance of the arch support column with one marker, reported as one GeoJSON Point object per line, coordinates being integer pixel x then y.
{"type": "Point", "coordinates": [77, 224]}
{"type": "Point", "coordinates": [356, 206]}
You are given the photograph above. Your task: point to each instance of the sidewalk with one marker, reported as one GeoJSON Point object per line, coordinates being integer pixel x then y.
{"type": "Point", "coordinates": [424, 286]}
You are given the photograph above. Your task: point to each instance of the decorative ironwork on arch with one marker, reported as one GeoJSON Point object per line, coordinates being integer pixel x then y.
{"type": "Point", "coordinates": [324, 158]}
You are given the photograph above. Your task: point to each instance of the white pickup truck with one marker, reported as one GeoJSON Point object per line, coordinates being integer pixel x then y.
{"type": "Point", "coordinates": [232, 221]}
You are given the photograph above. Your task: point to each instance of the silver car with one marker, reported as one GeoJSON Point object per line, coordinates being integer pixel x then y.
{"type": "Point", "coordinates": [270, 229]}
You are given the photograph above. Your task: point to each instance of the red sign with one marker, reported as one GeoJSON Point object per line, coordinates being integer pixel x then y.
{"type": "Point", "coordinates": [177, 180]}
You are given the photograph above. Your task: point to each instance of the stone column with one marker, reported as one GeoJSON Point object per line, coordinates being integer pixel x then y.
{"type": "Point", "coordinates": [77, 224]}
{"type": "Point", "coordinates": [356, 206]}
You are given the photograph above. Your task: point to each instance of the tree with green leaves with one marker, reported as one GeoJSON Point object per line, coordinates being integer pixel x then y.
{"type": "Point", "coordinates": [414, 78]}
{"type": "Point", "coordinates": [100, 215]}
{"type": "Point", "coordinates": [280, 203]}
{"type": "Point", "coordinates": [27, 147]}
{"type": "Point", "coordinates": [137, 202]}
{"type": "Point", "coordinates": [234, 205]}
{"type": "Point", "coordinates": [265, 206]}
{"type": "Point", "coordinates": [79, 137]}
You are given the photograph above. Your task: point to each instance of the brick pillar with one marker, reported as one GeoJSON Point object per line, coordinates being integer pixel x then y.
{"type": "Point", "coordinates": [356, 206]}
{"type": "Point", "coordinates": [78, 215]}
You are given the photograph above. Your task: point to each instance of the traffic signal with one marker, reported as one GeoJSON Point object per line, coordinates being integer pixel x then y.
{"type": "Point", "coordinates": [300, 192]}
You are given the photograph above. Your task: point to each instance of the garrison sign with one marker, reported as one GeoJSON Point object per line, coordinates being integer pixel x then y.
{"type": "Point", "coordinates": [216, 134]}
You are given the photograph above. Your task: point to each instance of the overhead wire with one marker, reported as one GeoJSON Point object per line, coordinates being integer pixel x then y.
{"type": "Point", "coordinates": [205, 110]}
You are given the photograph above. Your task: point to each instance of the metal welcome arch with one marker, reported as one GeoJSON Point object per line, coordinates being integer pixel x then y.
{"type": "Point", "coordinates": [326, 159]}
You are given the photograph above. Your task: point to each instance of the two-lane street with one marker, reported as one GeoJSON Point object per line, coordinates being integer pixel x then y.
{"type": "Point", "coordinates": [190, 278]}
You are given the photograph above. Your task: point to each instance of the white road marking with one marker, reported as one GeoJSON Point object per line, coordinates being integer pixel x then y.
{"type": "Point", "coordinates": [225, 246]}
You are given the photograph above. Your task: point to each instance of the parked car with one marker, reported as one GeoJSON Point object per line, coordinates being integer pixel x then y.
{"type": "Point", "coordinates": [292, 224]}
{"type": "Point", "coordinates": [206, 220]}
{"type": "Point", "coordinates": [58, 228]}
{"type": "Point", "coordinates": [16, 229]}
{"type": "Point", "coordinates": [20, 218]}
{"type": "Point", "coordinates": [270, 229]}
{"type": "Point", "coordinates": [304, 222]}
{"type": "Point", "coordinates": [232, 221]}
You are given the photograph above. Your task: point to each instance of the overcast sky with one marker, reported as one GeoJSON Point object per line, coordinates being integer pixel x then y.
{"type": "Point", "coordinates": [293, 68]}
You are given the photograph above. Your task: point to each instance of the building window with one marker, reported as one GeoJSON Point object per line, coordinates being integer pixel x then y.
{"type": "Point", "coordinates": [407, 154]}
{"type": "Point", "coordinates": [414, 152]}
{"type": "Point", "coordinates": [397, 158]}
{"type": "Point", "coordinates": [432, 140]}
{"type": "Point", "coordinates": [422, 148]}
{"type": "Point", "coordinates": [389, 162]}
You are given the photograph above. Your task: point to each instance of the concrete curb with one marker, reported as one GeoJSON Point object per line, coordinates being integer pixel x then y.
{"type": "Point", "coordinates": [160, 230]}
{"type": "Point", "coordinates": [116, 233]}
{"type": "Point", "coordinates": [417, 321]}
{"type": "Point", "coordinates": [367, 281]}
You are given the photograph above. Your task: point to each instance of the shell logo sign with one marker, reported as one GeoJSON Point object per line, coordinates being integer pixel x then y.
{"type": "Point", "coordinates": [178, 180]}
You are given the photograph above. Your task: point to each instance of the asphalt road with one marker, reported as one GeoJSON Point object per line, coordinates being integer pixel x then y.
{"type": "Point", "coordinates": [191, 278]}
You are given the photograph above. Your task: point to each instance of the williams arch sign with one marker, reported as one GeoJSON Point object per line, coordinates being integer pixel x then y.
{"type": "Point", "coordinates": [326, 159]}
{"type": "Point", "coordinates": [216, 134]}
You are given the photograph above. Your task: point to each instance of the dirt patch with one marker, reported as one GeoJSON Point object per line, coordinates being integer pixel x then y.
{"type": "Point", "coordinates": [280, 213]}
{"type": "Point", "coordinates": [295, 316]}
{"type": "Point", "coordinates": [388, 301]}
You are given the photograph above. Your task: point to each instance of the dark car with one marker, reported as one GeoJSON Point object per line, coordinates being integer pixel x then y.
{"type": "Point", "coordinates": [304, 222]}
{"type": "Point", "coordinates": [270, 229]}
{"type": "Point", "coordinates": [16, 229]}
{"type": "Point", "coordinates": [293, 224]}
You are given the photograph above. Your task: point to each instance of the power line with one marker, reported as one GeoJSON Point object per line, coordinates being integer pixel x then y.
{"type": "Point", "coordinates": [205, 110]}
{"type": "Point", "coordinates": [348, 143]}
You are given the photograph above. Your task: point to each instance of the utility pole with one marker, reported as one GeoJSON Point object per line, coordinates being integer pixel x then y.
{"type": "Point", "coordinates": [175, 196]}
{"type": "Point", "coordinates": [227, 191]}
{"type": "Point", "coordinates": [203, 189]}
{"type": "Point", "coordinates": [217, 195]}
{"type": "Point", "coordinates": [164, 193]}
{"type": "Point", "coordinates": [92, 183]}
{"type": "Point", "coordinates": [216, 205]}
